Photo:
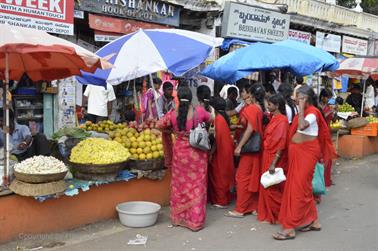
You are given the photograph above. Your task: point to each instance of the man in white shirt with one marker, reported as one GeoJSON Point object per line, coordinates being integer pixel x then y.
{"type": "Point", "coordinates": [273, 80]}
{"type": "Point", "coordinates": [99, 102]}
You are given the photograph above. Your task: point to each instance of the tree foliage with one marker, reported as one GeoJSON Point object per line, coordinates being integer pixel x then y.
{"type": "Point", "coordinates": [369, 6]}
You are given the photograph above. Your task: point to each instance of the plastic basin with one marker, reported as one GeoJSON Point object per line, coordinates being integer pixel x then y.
{"type": "Point", "coordinates": [138, 213]}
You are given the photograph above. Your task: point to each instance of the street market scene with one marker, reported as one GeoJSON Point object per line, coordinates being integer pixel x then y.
{"type": "Point", "coordinates": [189, 125]}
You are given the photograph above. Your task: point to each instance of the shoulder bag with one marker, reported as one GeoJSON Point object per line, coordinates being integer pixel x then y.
{"type": "Point", "coordinates": [199, 137]}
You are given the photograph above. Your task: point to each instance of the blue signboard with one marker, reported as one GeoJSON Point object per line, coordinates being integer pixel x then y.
{"type": "Point", "coordinates": [145, 10]}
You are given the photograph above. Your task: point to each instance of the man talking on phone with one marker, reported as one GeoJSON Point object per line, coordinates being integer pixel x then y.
{"type": "Point", "coordinates": [24, 145]}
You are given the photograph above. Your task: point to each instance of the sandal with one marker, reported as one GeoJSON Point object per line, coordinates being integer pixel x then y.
{"type": "Point", "coordinates": [219, 206]}
{"type": "Point", "coordinates": [310, 228]}
{"type": "Point", "coordinates": [232, 214]}
{"type": "Point", "coordinates": [283, 236]}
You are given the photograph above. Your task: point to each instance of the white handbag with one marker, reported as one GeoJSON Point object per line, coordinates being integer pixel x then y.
{"type": "Point", "coordinates": [199, 137]}
{"type": "Point", "coordinates": [268, 179]}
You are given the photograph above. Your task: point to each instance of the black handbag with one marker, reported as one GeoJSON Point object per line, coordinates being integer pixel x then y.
{"type": "Point", "coordinates": [253, 144]}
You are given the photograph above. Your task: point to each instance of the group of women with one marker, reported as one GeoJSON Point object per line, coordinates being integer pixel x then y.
{"type": "Point", "coordinates": [294, 136]}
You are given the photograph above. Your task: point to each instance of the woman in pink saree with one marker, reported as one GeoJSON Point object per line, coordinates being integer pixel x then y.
{"type": "Point", "coordinates": [189, 165]}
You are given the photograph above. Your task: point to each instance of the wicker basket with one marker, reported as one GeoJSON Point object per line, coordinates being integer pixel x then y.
{"type": "Point", "coordinates": [96, 177]}
{"type": "Point", "coordinates": [147, 165]}
{"type": "Point", "coordinates": [98, 169]}
{"type": "Point", "coordinates": [26, 189]}
{"type": "Point", "coordinates": [39, 178]}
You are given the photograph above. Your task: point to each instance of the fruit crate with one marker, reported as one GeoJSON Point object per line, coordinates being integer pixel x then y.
{"type": "Point", "coordinates": [370, 129]}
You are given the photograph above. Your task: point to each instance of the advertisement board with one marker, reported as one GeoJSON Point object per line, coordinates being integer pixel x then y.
{"type": "Point", "coordinates": [355, 46]}
{"type": "Point", "coordinates": [254, 23]}
{"type": "Point", "coordinates": [328, 42]}
{"type": "Point", "coordinates": [54, 16]}
{"type": "Point", "coordinates": [144, 10]}
{"type": "Point", "coordinates": [300, 36]}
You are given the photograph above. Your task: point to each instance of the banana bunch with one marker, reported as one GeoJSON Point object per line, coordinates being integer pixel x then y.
{"type": "Point", "coordinates": [99, 151]}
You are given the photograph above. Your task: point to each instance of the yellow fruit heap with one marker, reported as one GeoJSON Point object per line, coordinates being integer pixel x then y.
{"type": "Point", "coordinates": [336, 125]}
{"type": "Point", "coordinates": [99, 151]}
{"type": "Point", "coordinates": [102, 126]}
{"type": "Point", "coordinates": [142, 146]}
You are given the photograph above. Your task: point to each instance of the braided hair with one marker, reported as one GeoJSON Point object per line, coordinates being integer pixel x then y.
{"type": "Point", "coordinates": [219, 105]}
{"type": "Point", "coordinates": [258, 92]}
{"type": "Point", "coordinates": [204, 95]}
{"type": "Point", "coordinates": [287, 91]}
{"type": "Point", "coordinates": [185, 99]}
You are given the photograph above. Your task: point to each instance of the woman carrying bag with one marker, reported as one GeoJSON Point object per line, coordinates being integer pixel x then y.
{"type": "Point", "coordinates": [274, 155]}
{"type": "Point", "coordinates": [309, 142]}
{"type": "Point", "coordinates": [248, 172]}
{"type": "Point", "coordinates": [189, 165]}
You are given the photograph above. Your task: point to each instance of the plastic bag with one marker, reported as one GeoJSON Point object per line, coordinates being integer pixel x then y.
{"type": "Point", "coordinates": [318, 184]}
{"type": "Point", "coordinates": [268, 179]}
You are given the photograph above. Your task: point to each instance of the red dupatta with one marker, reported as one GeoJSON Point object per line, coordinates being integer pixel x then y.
{"type": "Point", "coordinates": [325, 140]}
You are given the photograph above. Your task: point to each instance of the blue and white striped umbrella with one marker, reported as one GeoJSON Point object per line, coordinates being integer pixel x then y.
{"type": "Point", "coordinates": [147, 51]}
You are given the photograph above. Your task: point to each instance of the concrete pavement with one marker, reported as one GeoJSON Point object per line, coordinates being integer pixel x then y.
{"type": "Point", "coordinates": [348, 214]}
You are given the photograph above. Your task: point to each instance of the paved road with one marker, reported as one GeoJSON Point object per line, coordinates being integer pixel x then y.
{"type": "Point", "coordinates": [348, 213]}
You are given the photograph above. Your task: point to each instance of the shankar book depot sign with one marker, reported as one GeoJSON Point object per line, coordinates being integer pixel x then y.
{"type": "Point", "coordinates": [253, 23]}
{"type": "Point", "coordinates": [144, 10]}
{"type": "Point", "coordinates": [54, 16]}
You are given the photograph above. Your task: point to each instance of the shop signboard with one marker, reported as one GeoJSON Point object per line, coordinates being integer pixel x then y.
{"type": "Point", "coordinates": [254, 23]}
{"type": "Point", "coordinates": [328, 42]}
{"type": "Point", "coordinates": [144, 10]}
{"type": "Point", "coordinates": [105, 37]}
{"type": "Point", "coordinates": [54, 16]}
{"type": "Point", "coordinates": [118, 25]}
{"type": "Point", "coordinates": [197, 5]}
{"type": "Point", "coordinates": [300, 36]}
{"type": "Point", "coordinates": [355, 46]}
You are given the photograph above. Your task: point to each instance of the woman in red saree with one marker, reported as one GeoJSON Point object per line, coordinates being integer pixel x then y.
{"type": "Point", "coordinates": [221, 169]}
{"type": "Point", "coordinates": [309, 141]}
{"type": "Point", "coordinates": [274, 155]}
{"type": "Point", "coordinates": [327, 111]}
{"type": "Point", "coordinates": [248, 172]}
{"type": "Point", "coordinates": [189, 165]}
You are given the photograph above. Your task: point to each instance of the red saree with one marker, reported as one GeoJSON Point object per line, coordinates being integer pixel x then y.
{"type": "Point", "coordinates": [328, 113]}
{"type": "Point", "coordinates": [298, 204]}
{"type": "Point", "coordinates": [248, 172]}
{"type": "Point", "coordinates": [189, 175]}
{"type": "Point", "coordinates": [221, 169]}
{"type": "Point", "coordinates": [275, 139]}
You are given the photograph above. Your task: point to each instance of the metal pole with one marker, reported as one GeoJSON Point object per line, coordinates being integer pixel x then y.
{"type": "Point", "coordinates": [363, 95]}
{"type": "Point", "coordinates": [6, 122]}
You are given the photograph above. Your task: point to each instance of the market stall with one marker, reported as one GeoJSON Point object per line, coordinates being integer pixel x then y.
{"type": "Point", "coordinates": [97, 165]}
{"type": "Point", "coordinates": [359, 129]}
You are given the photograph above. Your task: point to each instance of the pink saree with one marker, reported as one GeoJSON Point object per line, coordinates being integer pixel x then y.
{"type": "Point", "coordinates": [189, 176]}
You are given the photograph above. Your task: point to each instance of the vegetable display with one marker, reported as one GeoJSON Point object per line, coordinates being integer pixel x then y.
{"type": "Point", "coordinates": [40, 165]}
{"type": "Point", "coordinates": [99, 151]}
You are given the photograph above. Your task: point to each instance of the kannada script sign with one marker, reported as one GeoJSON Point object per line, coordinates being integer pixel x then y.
{"type": "Point", "coordinates": [254, 23]}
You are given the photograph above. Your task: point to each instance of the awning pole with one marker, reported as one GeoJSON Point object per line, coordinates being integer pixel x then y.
{"type": "Point", "coordinates": [363, 96]}
{"type": "Point", "coordinates": [6, 122]}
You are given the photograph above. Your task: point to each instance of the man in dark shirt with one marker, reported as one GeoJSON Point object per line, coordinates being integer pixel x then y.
{"type": "Point", "coordinates": [355, 98]}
